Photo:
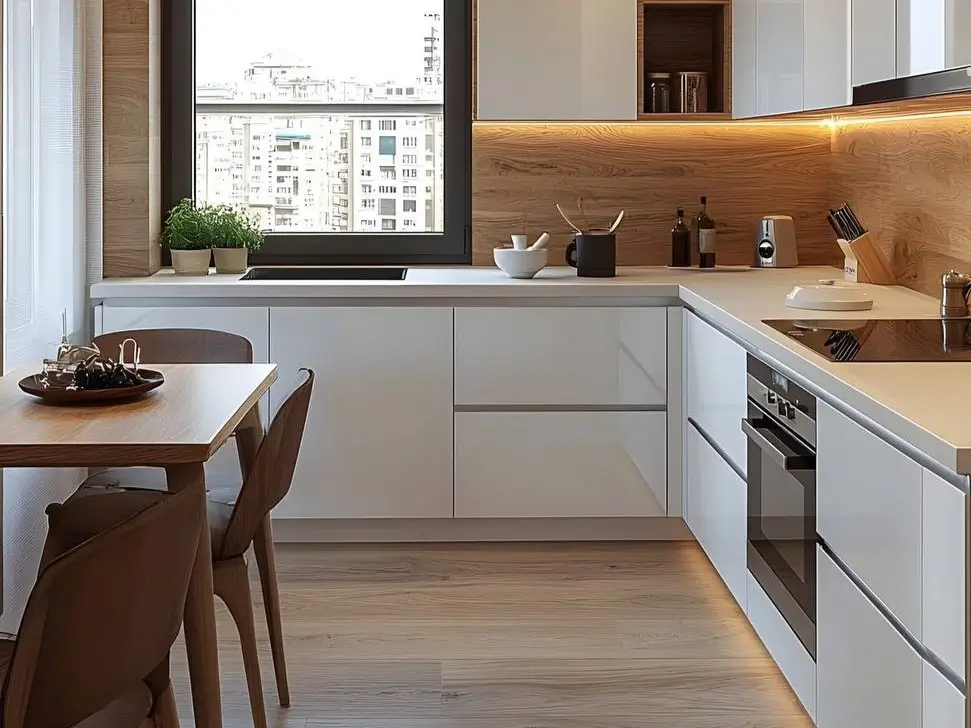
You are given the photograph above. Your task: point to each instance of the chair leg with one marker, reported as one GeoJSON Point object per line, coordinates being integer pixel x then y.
{"type": "Point", "coordinates": [231, 584]}
{"type": "Point", "coordinates": [266, 562]}
{"type": "Point", "coordinates": [166, 712]}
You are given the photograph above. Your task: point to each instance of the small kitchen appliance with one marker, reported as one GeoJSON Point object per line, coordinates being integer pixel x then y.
{"type": "Point", "coordinates": [882, 340]}
{"type": "Point", "coordinates": [776, 244]}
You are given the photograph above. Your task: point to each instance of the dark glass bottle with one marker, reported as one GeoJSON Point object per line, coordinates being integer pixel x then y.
{"type": "Point", "coordinates": [680, 243]}
{"type": "Point", "coordinates": [707, 243]}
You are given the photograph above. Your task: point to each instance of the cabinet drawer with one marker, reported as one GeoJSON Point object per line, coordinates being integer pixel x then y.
{"type": "Point", "coordinates": [560, 356]}
{"type": "Point", "coordinates": [559, 464]}
{"type": "Point", "coordinates": [943, 704]}
{"type": "Point", "coordinates": [868, 498]}
{"type": "Point", "coordinates": [942, 573]}
{"type": "Point", "coordinates": [715, 395]}
{"type": "Point", "coordinates": [868, 676]}
{"type": "Point", "coordinates": [715, 511]}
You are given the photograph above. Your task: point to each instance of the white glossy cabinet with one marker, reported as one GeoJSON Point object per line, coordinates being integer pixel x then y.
{"type": "Point", "coordinates": [958, 33]}
{"type": "Point", "coordinates": [780, 56]}
{"type": "Point", "coordinates": [868, 498]}
{"type": "Point", "coordinates": [867, 675]}
{"type": "Point", "coordinates": [251, 322]}
{"type": "Point", "coordinates": [715, 387]}
{"type": "Point", "coordinates": [826, 81]}
{"type": "Point", "coordinates": [943, 704]}
{"type": "Point", "coordinates": [873, 40]}
{"type": "Point", "coordinates": [560, 356]}
{"type": "Point", "coordinates": [715, 510]}
{"type": "Point", "coordinates": [745, 77]}
{"type": "Point", "coordinates": [557, 60]}
{"type": "Point", "coordinates": [378, 440]}
{"type": "Point", "coordinates": [943, 575]}
{"type": "Point", "coordinates": [559, 464]}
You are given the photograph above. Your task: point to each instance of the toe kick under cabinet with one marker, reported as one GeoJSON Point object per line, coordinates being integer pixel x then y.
{"type": "Point", "coordinates": [560, 412]}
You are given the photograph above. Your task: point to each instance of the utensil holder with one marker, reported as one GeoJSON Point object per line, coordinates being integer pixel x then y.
{"type": "Point", "coordinates": [865, 262]}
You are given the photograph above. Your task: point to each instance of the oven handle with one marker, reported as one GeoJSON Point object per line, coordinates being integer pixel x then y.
{"type": "Point", "coordinates": [781, 454]}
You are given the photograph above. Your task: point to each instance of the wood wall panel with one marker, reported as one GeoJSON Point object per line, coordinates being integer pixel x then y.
{"type": "Point", "coordinates": [747, 170]}
{"type": "Point", "coordinates": [909, 180]}
{"type": "Point", "coordinates": [131, 140]}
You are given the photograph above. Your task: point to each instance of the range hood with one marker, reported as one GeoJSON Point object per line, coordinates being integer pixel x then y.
{"type": "Point", "coordinates": [951, 81]}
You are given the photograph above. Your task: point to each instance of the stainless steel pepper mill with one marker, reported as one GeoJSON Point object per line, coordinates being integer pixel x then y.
{"type": "Point", "coordinates": [955, 288]}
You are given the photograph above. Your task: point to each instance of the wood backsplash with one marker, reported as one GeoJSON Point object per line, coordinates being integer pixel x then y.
{"type": "Point", "coordinates": [909, 180]}
{"type": "Point", "coordinates": [746, 170]}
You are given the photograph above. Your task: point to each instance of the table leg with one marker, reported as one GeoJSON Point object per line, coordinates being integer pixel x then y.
{"type": "Point", "coordinates": [249, 437]}
{"type": "Point", "coordinates": [200, 612]}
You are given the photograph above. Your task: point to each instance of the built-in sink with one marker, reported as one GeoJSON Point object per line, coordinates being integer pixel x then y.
{"type": "Point", "coordinates": [336, 273]}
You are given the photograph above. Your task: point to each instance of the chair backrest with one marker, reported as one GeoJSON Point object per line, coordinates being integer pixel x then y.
{"type": "Point", "coordinates": [271, 474]}
{"type": "Point", "coordinates": [104, 614]}
{"type": "Point", "coordinates": [181, 346]}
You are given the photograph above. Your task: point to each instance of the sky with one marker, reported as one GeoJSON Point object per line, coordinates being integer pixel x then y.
{"type": "Point", "coordinates": [371, 40]}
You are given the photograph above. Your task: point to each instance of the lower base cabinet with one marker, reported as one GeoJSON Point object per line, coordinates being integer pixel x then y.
{"type": "Point", "coordinates": [868, 676]}
{"type": "Point", "coordinates": [378, 439]}
{"type": "Point", "coordinates": [560, 464]}
{"type": "Point", "coordinates": [715, 510]}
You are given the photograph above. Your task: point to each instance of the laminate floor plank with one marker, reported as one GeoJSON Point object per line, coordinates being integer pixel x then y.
{"type": "Point", "coordinates": [624, 635]}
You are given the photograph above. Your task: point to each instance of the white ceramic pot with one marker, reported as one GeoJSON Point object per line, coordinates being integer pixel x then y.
{"type": "Point", "coordinates": [520, 263]}
{"type": "Point", "coordinates": [191, 262]}
{"type": "Point", "coordinates": [231, 260]}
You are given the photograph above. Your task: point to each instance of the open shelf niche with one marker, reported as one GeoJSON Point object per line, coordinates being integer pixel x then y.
{"type": "Point", "coordinates": [685, 35]}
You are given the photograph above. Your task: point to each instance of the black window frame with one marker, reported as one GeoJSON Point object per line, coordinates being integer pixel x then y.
{"type": "Point", "coordinates": [452, 246]}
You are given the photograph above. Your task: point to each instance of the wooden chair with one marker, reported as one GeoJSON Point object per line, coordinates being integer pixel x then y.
{"type": "Point", "coordinates": [181, 346]}
{"type": "Point", "coordinates": [93, 648]}
{"type": "Point", "coordinates": [239, 517]}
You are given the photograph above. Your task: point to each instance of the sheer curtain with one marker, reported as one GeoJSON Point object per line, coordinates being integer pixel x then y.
{"type": "Point", "coordinates": [45, 221]}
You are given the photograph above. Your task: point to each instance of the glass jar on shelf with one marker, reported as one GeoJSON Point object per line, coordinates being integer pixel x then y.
{"type": "Point", "coordinates": [658, 93]}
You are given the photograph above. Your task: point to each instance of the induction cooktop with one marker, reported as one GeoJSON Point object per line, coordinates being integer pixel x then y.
{"type": "Point", "coordinates": [882, 340]}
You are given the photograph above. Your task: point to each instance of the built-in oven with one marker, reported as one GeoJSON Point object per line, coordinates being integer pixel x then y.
{"type": "Point", "coordinates": [781, 432]}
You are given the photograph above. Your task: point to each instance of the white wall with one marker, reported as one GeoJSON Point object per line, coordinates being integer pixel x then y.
{"type": "Point", "coordinates": [44, 232]}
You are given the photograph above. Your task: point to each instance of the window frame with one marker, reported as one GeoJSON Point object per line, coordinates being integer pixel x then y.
{"type": "Point", "coordinates": [452, 246]}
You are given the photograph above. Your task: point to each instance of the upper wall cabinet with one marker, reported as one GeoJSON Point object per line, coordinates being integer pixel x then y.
{"type": "Point", "coordinates": [562, 60]}
{"type": "Point", "coordinates": [789, 56]}
{"type": "Point", "coordinates": [873, 41]}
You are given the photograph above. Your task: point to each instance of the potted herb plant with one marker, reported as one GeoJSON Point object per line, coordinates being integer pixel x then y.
{"type": "Point", "coordinates": [235, 233]}
{"type": "Point", "coordinates": [187, 235]}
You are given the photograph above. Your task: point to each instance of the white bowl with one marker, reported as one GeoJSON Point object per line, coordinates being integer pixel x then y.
{"type": "Point", "coordinates": [520, 263]}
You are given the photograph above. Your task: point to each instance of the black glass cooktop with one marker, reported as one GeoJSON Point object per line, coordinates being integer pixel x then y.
{"type": "Point", "coordinates": [882, 339]}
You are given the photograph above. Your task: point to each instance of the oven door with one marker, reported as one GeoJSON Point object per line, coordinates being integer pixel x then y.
{"type": "Point", "coordinates": [782, 520]}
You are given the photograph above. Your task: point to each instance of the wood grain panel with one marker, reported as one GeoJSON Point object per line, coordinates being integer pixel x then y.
{"type": "Point", "coordinates": [909, 180]}
{"type": "Point", "coordinates": [747, 170]}
{"type": "Point", "coordinates": [506, 636]}
{"type": "Point", "coordinates": [131, 138]}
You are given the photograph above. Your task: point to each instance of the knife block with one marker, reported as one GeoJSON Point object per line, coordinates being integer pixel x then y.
{"type": "Point", "coordinates": [865, 263]}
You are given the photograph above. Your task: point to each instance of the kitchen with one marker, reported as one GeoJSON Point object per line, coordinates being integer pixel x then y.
{"type": "Point", "coordinates": [464, 406]}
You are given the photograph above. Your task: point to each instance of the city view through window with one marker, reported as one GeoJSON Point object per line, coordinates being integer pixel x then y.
{"type": "Point", "coordinates": [322, 115]}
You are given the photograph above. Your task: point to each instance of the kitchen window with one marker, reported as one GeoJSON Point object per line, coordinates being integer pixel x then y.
{"type": "Point", "coordinates": [246, 104]}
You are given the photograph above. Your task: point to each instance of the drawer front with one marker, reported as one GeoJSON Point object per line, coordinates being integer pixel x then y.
{"type": "Point", "coordinates": [715, 395]}
{"type": "Point", "coordinates": [944, 706]}
{"type": "Point", "coordinates": [715, 511]}
{"type": "Point", "coordinates": [868, 499]}
{"type": "Point", "coordinates": [943, 557]}
{"type": "Point", "coordinates": [867, 674]}
{"type": "Point", "coordinates": [559, 464]}
{"type": "Point", "coordinates": [560, 356]}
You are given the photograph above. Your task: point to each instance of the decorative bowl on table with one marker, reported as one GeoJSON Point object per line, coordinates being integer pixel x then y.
{"type": "Point", "coordinates": [520, 263]}
{"type": "Point", "coordinates": [81, 375]}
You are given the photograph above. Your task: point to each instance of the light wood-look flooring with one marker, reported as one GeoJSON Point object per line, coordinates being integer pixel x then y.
{"type": "Point", "coordinates": [506, 636]}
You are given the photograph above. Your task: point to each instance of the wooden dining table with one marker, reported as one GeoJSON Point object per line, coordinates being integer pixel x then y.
{"type": "Point", "coordinates": [177, 427]}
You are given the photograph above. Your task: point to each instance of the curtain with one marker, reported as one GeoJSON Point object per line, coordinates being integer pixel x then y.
{"type": "Point", "coordinates": [45, 222]}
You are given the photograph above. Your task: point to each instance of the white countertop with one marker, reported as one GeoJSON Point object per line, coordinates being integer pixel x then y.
{"type": "Point", "coordinates": [924, 404]}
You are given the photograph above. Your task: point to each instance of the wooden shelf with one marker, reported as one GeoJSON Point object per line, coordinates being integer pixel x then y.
{"type": "Point", "coordinates": [685, 35]}
{"type": "Point", "coordinates": [686, 118]}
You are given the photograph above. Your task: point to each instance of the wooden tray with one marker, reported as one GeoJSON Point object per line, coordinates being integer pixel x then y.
{"type": "Point", "coordinates": [60, 395]}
